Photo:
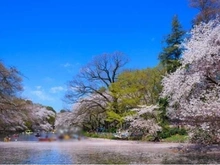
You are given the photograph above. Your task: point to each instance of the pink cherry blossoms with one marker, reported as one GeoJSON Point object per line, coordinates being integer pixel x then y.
{"type": "Point", "coordinates": [193, 91]}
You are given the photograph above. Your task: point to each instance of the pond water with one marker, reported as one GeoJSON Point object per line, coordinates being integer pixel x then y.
{"type": "Point", "coordinates": [98, 151]}
{"type": "Point", "coordinates": [25, 137]}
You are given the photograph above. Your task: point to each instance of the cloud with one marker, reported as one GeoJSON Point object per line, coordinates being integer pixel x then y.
{"type": "Point", "coordinates": [40, 94]}
{"type": "Point", "coordinates": [48, 79]}
{"type": "Point", "coordinates": [153, 39]}
{"type": "Point", "coordinates": [39, 87]}
{"type": "Point", "coordinates": [66, 65]}
{"type": "Point", "coordinates": [57, 89]}
{"type": "Point", "coordinates": [71, 67]}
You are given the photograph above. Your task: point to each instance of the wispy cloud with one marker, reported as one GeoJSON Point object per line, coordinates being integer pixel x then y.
{"type": "Point", "coordinates": [38, 87]}
{"type": "Point", "coordinates": [48, 79]}
{"type": "Point", "coordinates": [152, 39]}
{"type": "Point", "coordinates": [66, 65]}
{"type": "Point", "coordinates": [57, 89]}
{"type": "Point", "coordinates": [70, 67]}
{"type": "Point", "coordinates": [40, 94]}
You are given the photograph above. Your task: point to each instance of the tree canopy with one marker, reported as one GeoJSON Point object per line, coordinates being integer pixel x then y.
{"type": "Point", "coordinates": [193, 89]}
{"type": "Point", "coordinates": [208, 10]}
{"type": "Point", "coordinates": [171, 54]}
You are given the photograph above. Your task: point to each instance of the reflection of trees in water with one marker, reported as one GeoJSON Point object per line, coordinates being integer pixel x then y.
{"type": "Point", "coordinates": [13, 155]}
{"type": "Point", "coordinates": [110, 158]}
{"type": "Point", "coordinates": [209, 158]}
{"type": "Point", "coordinates": [81, 153]}
{"type": "Point", "coordinates": [194, 154]}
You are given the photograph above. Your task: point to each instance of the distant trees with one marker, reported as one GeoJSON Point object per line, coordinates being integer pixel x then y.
{"type": "Point", "coordinates": [208, 10]}
{"type": "Point", "coordinates": [138, 87]}
{"type": "Point", "coordinates": [92, 85]}
{"type": "Point", "coordinates": [26, 116]}
{"type": "Point", "coordinates": [38, 117]}
{"type": "Point", "coordinates": [103, 94]}
{"type": "Point", "coordinates": [17, 114]}
{"type": "Point", "coordinates": [96, 76]}
{"type": "Point", "coordinates": [171, 54]}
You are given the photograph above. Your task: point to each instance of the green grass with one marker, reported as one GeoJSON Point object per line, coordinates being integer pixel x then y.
{"type": "Point", "coordinates": [99, 135]}
{"type": "Point", "coordinates": [173, 139]}
{"type": "Point", "coordinates": [177, 139]}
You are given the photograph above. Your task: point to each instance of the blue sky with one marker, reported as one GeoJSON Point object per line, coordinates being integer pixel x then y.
{"type": "Point", "coordinates": [49, 40]}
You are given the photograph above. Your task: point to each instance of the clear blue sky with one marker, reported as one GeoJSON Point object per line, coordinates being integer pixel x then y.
{"type": "Point", "coordinates": [49, 40]}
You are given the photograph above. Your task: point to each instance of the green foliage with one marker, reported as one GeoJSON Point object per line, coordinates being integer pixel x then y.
{"type": "Point", "coordinates": [99, 135]}
{"type": "Point", "coordinates": [177, 138]}
{"type": "Point", "coordinates": [111, 130]}
{"type": "Point", "coordinates": [171, 54]}
{"type": "Point", "coordinates": [163, 118]}
{"type": "Point", "coordinates": [170, 131]}
{"type": "Point", "coordinates": [117, 118]}
{"type": "Point", "coordinates": [138, 87]}
{"type": "Point", "coordinates": [133, 88]}
{"type": "Point", "coordinates": [29, 102]}
{"type": "Point", "coordinates": [112, 116]}
{"type": "Point", "coordinates": [63, 110]}
{"type": "Point", "coordinates": [28, 124]}
{"type": "Point", "coordinates": [50, 108]}
{"type": "Point", "coordinates": [102, 89]}
{"type": "Point", "coordinates": [51, 120]}
{"type": "Point", "coordinates": [148, 138]}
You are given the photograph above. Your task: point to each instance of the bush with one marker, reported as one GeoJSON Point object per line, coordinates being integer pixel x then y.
{"type": "Point", "coordinates": [28, 124]}
{"type": "Point", "coordinates": [204, 137]}
{"type": "Point", "coordinates": [99, 135]}
{"type": "Point", "coordinates": [170, 131]}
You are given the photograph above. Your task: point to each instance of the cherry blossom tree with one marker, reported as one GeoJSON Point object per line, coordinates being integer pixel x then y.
{"type": "Point", "coordinates": [39, 117]}
{"type": "Point", "coordinates": [144, 121]}
{"type": "Point", "coordinates": [208, 10]}
{"type": "Point", "coordinates": [89, 113]}
{"type": "Point", "coordinates": [28, 116]}
{"type": "Point", "coordinates": [91, 87]}
{"type": "Point", "coordinates": [193, 91]}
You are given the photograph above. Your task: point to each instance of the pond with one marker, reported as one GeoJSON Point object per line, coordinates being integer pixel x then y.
{"type": "Point", "coordinates": [25, 137]}
{"type": "Point", "coordinates": [99, 151]}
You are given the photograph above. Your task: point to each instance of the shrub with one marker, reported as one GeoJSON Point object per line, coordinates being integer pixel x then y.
{"type": "Point", "coordinates": [170, 131]}
{"type": "Point", "coordinates": [204, 137]}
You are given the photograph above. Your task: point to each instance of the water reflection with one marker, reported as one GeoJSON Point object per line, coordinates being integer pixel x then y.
{"type": "Point", "coordinates": [90, 151]}
{"type": "Point", "coordinates": [27, 137]}
{"type": "Point", "coordinates": [53, 155]}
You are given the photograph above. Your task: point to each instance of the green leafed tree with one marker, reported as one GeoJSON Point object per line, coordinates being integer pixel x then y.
{"type": "Point", "coordinates": [171, 53]}
{"type": "Point", "coordinates": [133, 88]}
{"type": "Point", "coordinates": [90, 87]}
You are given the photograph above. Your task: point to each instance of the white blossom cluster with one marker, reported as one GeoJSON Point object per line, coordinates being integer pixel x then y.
{"type": "Point", "coordinates": [16, 120]}
{"type": "Point", "coordinates": [11, 120]}
{"type": "Point", "coordinates": [82, 110]}
{"type": "Point", "coordinates": [193, 91]}
{"type": "Point", "coordinates": [39, 116]}
{"type": "Point", "coordinates": [69, 119]}
{"type": "Point", "coordinates": [144, 121]}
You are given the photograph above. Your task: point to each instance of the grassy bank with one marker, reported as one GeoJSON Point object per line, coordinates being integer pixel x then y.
{"type": "Point", "coordinates": [173, 139]}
